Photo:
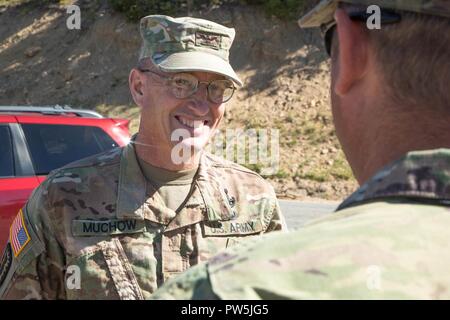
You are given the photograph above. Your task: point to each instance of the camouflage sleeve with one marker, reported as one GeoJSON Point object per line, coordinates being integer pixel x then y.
{"type": "Point", "coordinates": [275, 221]}
{"type": "Point", "coordinates": [193, 284]}
{"type": "Point", "coordinates": [32, 263]}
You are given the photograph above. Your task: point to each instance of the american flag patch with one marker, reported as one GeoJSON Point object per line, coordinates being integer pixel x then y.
{"type": "Point", "coordinates": [18, 234]}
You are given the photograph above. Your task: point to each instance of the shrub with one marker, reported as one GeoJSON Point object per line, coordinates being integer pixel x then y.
{"type": "Point", "coordinates": [135, 9]}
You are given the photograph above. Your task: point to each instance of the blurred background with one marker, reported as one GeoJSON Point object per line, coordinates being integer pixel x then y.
{"type": "Point", "coordinates": [284, 69]}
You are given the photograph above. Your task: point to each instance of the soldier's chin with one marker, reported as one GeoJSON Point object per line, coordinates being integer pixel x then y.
{"type": "Point", "coordinates": [197, 143]}
{"type": "Point", "coordinates": [187, 150]}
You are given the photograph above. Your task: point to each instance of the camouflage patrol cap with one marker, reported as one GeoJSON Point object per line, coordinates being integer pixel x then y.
{"type": "Point", "coordinates": [187, 44]}
{"type": "Point", "coordinates": [324, 11]}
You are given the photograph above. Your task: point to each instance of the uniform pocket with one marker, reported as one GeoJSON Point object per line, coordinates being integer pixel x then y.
{"type": "Point", "coordinates": [218, 235]}
{"type": "Point", "coordinates": [104, 273]}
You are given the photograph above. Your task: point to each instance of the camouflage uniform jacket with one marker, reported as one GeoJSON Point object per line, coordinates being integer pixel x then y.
{"type": "Point", "coordinates": [389, 240]}
{"type": "Point", "coordinates": [96, 229]}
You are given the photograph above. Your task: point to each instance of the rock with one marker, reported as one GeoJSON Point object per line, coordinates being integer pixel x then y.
{"type": "Point", "coordinates": [322, 188]}
{"type": "Point", "coordinates": [68, 76]}
{"type": "Point", "coordinates": [296, 193]}
{"type": "Point", "coordinates": [32, 51]}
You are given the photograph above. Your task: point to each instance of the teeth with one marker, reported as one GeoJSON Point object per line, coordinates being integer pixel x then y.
{"type": "Point", "coordinates": [192, 124]}
{"type": "Point", "coordinates": [198, 124]}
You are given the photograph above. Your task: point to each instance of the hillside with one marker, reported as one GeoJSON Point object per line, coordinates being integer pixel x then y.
{"type": "Point", "coordinates": [284, 68]}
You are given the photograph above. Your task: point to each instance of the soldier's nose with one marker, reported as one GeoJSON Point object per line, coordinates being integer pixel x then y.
{"type": "Point", "coordinates": [201, 105]}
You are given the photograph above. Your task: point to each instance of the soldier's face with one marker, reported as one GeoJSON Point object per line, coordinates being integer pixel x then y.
{"type": "Point", "coordinates": [167, 118]}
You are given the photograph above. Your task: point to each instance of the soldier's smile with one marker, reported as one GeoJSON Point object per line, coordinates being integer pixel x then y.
{"type": "Point", "coordinates": [194, 125]}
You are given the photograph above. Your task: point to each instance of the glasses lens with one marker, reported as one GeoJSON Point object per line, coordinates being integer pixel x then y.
{"type": "Point", "coordinates": [220, 90]}
{"type": "Point", "coordinates": [183, 85]}
{"type": "Point", "coordinates": [329, 39]}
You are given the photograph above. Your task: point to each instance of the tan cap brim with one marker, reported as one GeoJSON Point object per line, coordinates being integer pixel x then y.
{"type": "Point", "coordinates": [322, 13]}
{"type": "Point", "coordinates": [196, 61]}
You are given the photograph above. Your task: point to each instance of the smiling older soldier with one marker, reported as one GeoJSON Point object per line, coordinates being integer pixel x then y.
{"type": "Point", "coordinates": [117, 225]}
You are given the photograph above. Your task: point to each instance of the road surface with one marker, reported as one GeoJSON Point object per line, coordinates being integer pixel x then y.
{"type": "Point", "coordinates": [297, 213]}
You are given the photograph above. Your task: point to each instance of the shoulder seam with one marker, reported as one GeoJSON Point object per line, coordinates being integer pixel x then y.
{"type": "Point", "coordinates": [232, 165]}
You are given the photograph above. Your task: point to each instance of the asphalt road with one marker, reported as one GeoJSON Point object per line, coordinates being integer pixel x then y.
{"type": "Point", "coordinates": [297, 213]}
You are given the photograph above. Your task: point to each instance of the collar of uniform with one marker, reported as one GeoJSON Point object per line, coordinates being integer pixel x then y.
{"type": "Point", "coordinates": [213, 192]}
{"type": "Point", "coordinates": [418, 175]}
{"type": "Point", "coordinates": [132, 186]}
{"type": "Point", "coordinates": [132, 191]}
{"type": "Point", "coordinates": [192, 212]}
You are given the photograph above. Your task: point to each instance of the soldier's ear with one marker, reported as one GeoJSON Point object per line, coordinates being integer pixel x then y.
{"type": "Point", "coordinates": [136, 84]}
{"type": "Point", "coordinates": [353, 52]}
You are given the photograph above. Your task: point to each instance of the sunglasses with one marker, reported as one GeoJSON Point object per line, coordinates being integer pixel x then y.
{"type": "Point", "coordinates": [184, 85]}
{"type": "Point", "coordinates": [327, 29]}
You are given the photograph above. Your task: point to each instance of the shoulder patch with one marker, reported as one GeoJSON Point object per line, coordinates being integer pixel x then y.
{"type": "Point", "coordinates": [5, 263]}
{"type": "Point", "coordinates": [18, 234]}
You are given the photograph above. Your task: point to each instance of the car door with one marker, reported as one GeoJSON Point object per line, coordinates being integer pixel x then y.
{"type": "Point", "coordinates": [55, 144]}
{"type": "Point", "coordinates": [17, 179]}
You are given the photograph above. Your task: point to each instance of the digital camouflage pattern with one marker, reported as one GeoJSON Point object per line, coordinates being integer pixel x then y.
{"type": "Point", "coordinates": [389, 240]}
{"type": "Point", "coordinates": [187, 44]}
{"type": "Point", "coordinates": [323, 13]}
{"type": "Point", "coordinates": [98, 218]}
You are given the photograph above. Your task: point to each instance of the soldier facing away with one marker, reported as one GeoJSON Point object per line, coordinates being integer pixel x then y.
{"type": "Point", "coordinates": [119, 224]}
{"type": "Point", "coordinates": [391, 108]}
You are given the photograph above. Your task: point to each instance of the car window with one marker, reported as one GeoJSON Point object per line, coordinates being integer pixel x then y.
{"type": "Point", "coordinates": [54, 146]}
{"type": "Point", "coordinates": [6, 153]}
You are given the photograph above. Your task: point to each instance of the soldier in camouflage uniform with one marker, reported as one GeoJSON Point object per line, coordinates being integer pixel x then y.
{"type": "Point", "coordinates": [391, 109]}
{"type": "Point", "coordinates": [119, 224]}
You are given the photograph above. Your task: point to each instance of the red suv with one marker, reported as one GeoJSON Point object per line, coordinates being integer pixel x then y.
{"type": "Point", "coordinates": [37, 140]}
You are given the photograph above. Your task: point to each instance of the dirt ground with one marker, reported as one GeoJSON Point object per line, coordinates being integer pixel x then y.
{"type": "Point", "coordinates": [284, 68]}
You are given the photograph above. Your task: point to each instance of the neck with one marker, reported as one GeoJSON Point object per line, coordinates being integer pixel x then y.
{"type": "Point", "coordinates": [393, 137]}
{"type": "Point", "coordinates": [161, 157]}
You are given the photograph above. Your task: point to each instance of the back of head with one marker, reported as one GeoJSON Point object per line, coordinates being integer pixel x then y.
{"type": "Point", "coordinates": [413, 54]}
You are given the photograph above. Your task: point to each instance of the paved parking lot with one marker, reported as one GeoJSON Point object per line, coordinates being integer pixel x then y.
{"type": "Point", "coordinates": [297, 213]}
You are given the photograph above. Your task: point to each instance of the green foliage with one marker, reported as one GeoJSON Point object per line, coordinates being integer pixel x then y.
{"type": "Point", "coordinates": [135, 9]}
{"type": "Point", "coordinates": [284, 9]}
{"type": "Point", "coordinates": [281, 174]}
{"type": "Point", "coordinates": [314, 174]}
{"type": "Point", "coordinates": [257, 167]}
{"type": "Point", "coordinates": [19, 2]}
{"type": "Point", "coordinates": [340, 168]}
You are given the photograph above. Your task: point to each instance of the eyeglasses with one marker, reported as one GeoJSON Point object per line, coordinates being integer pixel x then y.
{"type": "Point", "coordinates": [327, 29]}
{"type": "Point", "coordinates": [184, 85]}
